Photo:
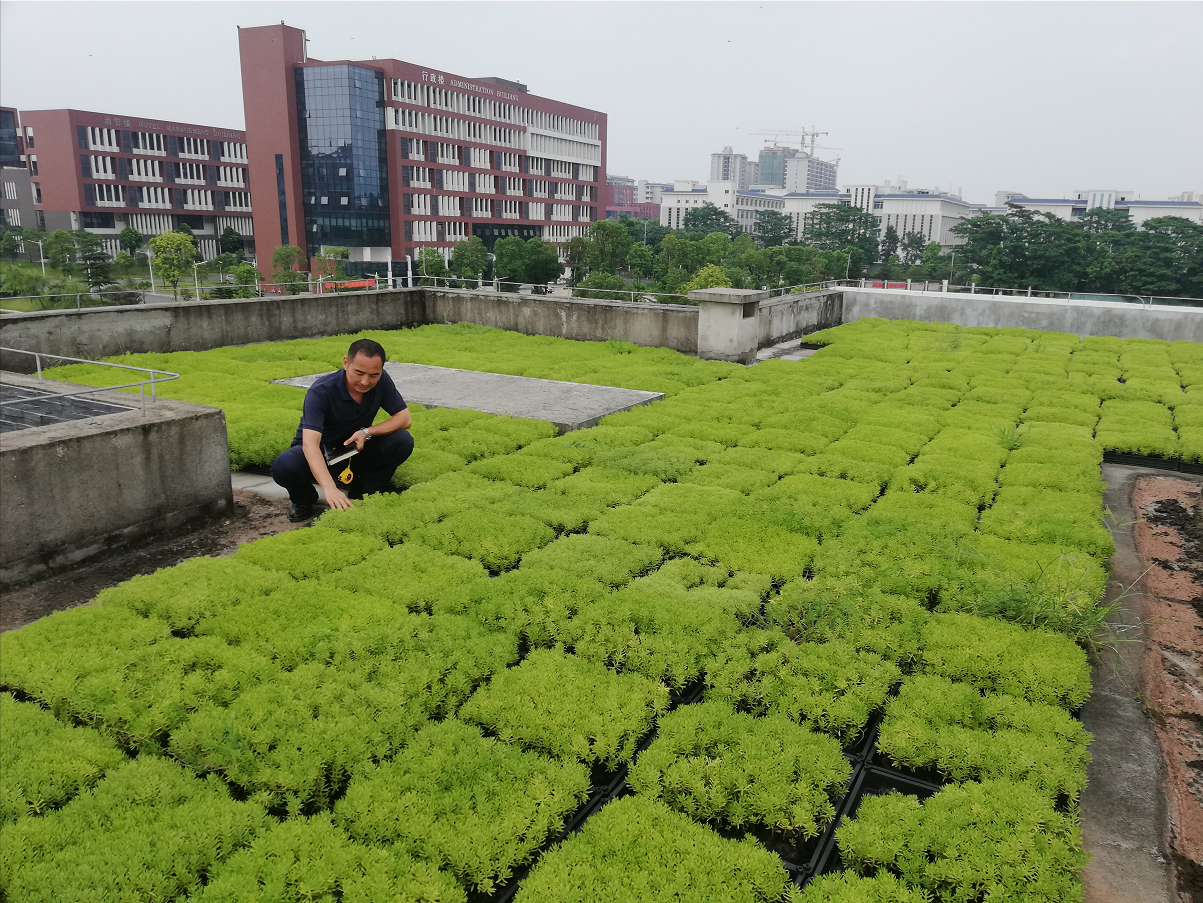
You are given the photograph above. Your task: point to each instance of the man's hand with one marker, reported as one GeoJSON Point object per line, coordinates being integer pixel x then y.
{"type": "Point", "coordinates": [336, 498]}
{"type": "Point", "coordinates": [358, 439]}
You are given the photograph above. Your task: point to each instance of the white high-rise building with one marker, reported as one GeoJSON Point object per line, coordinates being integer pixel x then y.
{"type": "Point", "coordinates": [650, 192]}
{"type": "Point", "coordinates": [731, 167]}
{"type": "Point", "coordinates": [807, 173]}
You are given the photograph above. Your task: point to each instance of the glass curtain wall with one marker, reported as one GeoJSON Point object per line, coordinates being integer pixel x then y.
{"type": "Point", "coordinates": [344, 169]}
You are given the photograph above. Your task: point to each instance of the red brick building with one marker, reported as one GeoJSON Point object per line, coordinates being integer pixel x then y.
{"type": "Point", "coordinates": [385, 157]}
{"type": "Point", "coordinates": [103, 172]}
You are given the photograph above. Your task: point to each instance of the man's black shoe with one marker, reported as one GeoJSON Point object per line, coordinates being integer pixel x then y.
{"type": "Point", "coordinates": [298, 513]}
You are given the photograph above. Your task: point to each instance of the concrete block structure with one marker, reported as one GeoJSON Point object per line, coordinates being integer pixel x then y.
{"type": "Point", "coordinates": [385, 157]}
{"type": "Point", "coordinates": [728, 323]}
{"type": "Point", "coordinates": [74, 490]}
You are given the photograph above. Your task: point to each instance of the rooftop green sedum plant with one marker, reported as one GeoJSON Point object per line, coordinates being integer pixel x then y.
{"type": "Point", "coordinates": [472, 805]}
{"type": "Point", "coordinates": [569, 708]}
{"type": "Point", "coordinates": [997, 840]}
{"type": "Point", "coordinates": [637, 850]}
{"type": "Point", "coordinates": [716, 765]}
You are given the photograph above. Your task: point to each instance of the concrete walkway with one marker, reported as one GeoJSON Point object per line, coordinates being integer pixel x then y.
{"type": "Point", "coordinates": [786, 351]}
{"type": "Point", "coordinates": [1124, 817]}
{"type": "Point", "coordinates": [570, 406]}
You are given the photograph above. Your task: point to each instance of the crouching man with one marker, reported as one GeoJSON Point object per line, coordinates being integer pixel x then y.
{"type": "Point", "coordinates": [338, 414]}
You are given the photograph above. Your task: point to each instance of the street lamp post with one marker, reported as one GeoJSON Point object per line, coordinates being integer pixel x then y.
{"type": "Point", "coordinates": [195, 281]}
{"type": "Point", "coordinates": [41, 253]}
{"type": "Point", "coordinates": [150, 265]}
{"type": "Point", "coordinates": [952, 268]}
{"type": "Point", "coordinates": [848, 265]}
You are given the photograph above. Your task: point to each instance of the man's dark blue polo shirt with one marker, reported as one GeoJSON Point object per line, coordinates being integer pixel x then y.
{"type": "Point", "coordinates": [331, 411]}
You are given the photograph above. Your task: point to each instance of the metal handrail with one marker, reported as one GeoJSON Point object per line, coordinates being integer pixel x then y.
{"type": "Point", "coordinates": [141, 386]}
{"type": "Point", "coordinates": [1030, 292]}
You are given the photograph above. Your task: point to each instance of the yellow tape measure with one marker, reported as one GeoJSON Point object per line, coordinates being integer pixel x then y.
{"type": "Point", "coordinates": [346, 476]}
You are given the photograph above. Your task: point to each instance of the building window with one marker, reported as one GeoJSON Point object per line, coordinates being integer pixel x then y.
{"type": "Point", "coordinates": [10, 190]}
{"type": "Point", "coordinates": [147, 143]}
{"type": "Point", "coordinates": [194, 147]}
{"type": "Point", "coordinates": [37, 192]}
{"type": "Point", "coordinates": [12, 216]}
{"type": "Point", "coordinates": [33, 165]}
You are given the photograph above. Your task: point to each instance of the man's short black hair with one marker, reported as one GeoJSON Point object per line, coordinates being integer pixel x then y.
{"type": "Point", "coordinates": [368, 348]}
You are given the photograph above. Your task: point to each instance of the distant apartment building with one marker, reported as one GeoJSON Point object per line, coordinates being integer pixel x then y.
{"type": "Point", "coordinates": [727, 166]}
{"type": "Point", "coordinates": [103, 172]}
{"type": "Point", "coordinates": [620, 191]}
{"type": "Point", "coordinates": [16, 190]}
{"type": "Point", "coordinates": [650, 192]}
{"type": "Point", "coordinates": [630, 198]}
{"type": "Point", "coordinates": [928, 212]}
{"type": "Point", "coordinates": [1074, 206]}
{"type": "Point", "coordinates": [806, 173]}
{"type": "Point", "coordinates": [687, 195]}
{"type": "Point", "coordinates": [386, 157]}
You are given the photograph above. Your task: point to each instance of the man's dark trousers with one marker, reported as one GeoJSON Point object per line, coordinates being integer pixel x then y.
{"type": "Point", "coordinates": [373, 468]}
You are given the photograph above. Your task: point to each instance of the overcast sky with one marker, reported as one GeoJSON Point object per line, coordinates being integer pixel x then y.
{"type": "Point", "coordinates": [1042, 98]}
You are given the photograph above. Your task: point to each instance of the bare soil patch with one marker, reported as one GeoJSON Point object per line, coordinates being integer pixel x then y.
{"type": "Point", "coordinates": [1169, 541]}
{"type": "Point", "coordinates": [255, 516]}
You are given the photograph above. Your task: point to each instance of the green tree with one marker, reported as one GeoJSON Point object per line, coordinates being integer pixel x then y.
{"type": "Point", "coordinates": [60, 250]}
{"type": "Point", "coordinates": [230, 242]}
{"type": "Point", "coordinates": [509, 262]}
{"type": "Point", "coordinates": [609, 243]}
{"type": "Point", "coordinates": [130, 240]}
{"type": "Point", "coordinates": [709, 276]}
{"type": "Point", "coordinates": [708, 218]}
{"type": "Point", "coordinates": [607, 286]}
{"type": "Point", "coordinates": [93, 259]}
{"type": "Point", "coordinates": [833, 227]}
{"type": "Point", "coordinates": [431, 266]}
{"type": "Point", "coordinates": [19, 282]}
{"type": "Point", "coordinates": [331, 261]}
{"type": "Point", "coordinates": [284, 259]}
{"type": "Point", "coordinates": [889, 243]}
{"type": "Point", "coordinates": [469, 259]}
{"type": "Point", "coordinates": [912, 247]}
{"type": "Point", "coordinates": [174, 254]}
{"type": "Point", "coordinates": [641, 260]}
{"type": "Point", "coordinates": [9, 246]}
{"type": "Point", "coordinates": [714, 248]}
{"type": "Point", "coordinates": [576, 259]}
{"type": "Point", "coordinates": [246, 280]}
{"type": "Point", "coordinates": [185, 229]}
{"type": "Point", "coordinates": [542, 263]}
{"type": "Point", "coordinates": [773, 228]}
{"type": "Point", "coordinates": [650, 232]}
{"type": "Point", "coordinates": [124, 265]}
{"type": "Point", "coordinates": [1100, 219]}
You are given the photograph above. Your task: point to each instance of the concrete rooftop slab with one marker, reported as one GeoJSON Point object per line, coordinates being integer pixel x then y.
{"type": "Point", "coordinates": [570, 406]}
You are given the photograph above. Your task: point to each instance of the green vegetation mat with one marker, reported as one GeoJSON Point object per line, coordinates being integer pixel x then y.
{"type": "Point", "coordinates": [411, 699]}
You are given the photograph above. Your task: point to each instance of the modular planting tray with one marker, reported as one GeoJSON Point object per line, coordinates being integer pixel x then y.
{"type": "Point", "coordinates": [1154, 461]}
{"type": "Point", "coordinates": [23, 408]}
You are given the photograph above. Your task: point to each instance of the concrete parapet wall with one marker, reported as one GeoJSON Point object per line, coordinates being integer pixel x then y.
{"type": "Point", "coordinates": [1084, 318]}
{"type": "Point", "coordinates": [790, 316]}
{"type": "Point", "coordinates": [198, 326]}
{"type": "Point", "coordinates": [74, 490]}
{"type": "Point", "coordinates": [652, 325]}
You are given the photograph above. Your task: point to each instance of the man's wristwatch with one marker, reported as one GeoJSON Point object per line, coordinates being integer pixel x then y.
{"type": "Point", "coordinates": [366, 434]}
